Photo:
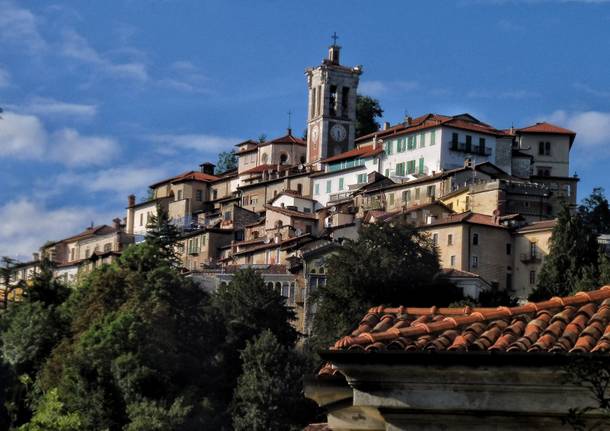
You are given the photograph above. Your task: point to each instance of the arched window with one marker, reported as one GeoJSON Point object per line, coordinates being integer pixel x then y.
{"type": "Point", "coordinates": [264, 158]}
{"type": "Point", "coordinates": [302, 159]}
{"type": "Point", "coordinates": [278, 286]}
{"type": "Point", "coordinates": [283, 158]}
{"type": "Point", "coordinates": [255, 234]}
{"type": "Point", "coordinates": [270, 285]}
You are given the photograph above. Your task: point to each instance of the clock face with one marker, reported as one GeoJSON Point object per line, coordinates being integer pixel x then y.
{"type": "Point", "coordinates": [338, 132]}
{"type": "Point", "coordinates": [315, 134]}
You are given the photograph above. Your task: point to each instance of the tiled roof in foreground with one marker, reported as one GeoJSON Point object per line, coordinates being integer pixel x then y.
{"type": "Point", "coordinates": [579, 323]}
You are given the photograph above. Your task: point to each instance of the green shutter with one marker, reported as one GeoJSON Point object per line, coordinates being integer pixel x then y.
{"type": "Point", "coordinates": [340, 183]}
{"type": "Point", "coordinates": [433, 137]}
{"type": "Point", "coordinates": [421, 165]}
{"type": "Point", "coordinates": [328, 186]}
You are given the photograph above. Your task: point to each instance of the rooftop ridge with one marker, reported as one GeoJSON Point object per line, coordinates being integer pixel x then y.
{"type": "Point", "coordinates": [476, 315]}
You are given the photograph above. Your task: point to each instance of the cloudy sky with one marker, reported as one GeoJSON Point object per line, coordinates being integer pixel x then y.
{"type": "Point", "coordinates": [101, 99]}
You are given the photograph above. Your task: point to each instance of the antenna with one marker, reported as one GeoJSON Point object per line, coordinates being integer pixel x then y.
{"type": "Point", "coordinates": [289, 119]}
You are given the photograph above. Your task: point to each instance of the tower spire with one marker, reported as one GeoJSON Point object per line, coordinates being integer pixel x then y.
{"type": "Point", "coordinates": [333, 50]}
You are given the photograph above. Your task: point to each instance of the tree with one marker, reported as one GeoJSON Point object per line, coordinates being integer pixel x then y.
{"type": "Point", "coordinates": [367, 111]}
{"type": "Point", "coordinates": [595, 212]}
{"type": "Point", "coordinates": [389, 264]}
{"type": "Point", "coordinates": [227, 161]}
{"type": "Point", "coordinates": [269, 391]}
{"type": "Point", "coordinates": [248, 307]}
{"type": "Point", "coordinates": [143, 341]}
{"type": "Point", "coordinates": [572, 259]}
{"type": "Point", "coordinates": [50, 415]}
{"type": "Point", "coordinates": [163, 237]}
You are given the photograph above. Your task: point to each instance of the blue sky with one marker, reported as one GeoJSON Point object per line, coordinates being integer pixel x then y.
{"type": "Point", "coordinates": [103, 98]}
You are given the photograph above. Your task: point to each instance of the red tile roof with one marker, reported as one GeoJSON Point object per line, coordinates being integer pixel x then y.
{"type": "Point", "coordinates": [361, 152]}
{"type": "Point", "coordinates": [467, 217]}
{"type": "Point", "coordinates": [187, 176]}
{"type": "Point", "coordinates": [463, 121]}
{"type": "Point", "coordinates": [291, 213]}
{"type": "Point", "coordinates": [579, 323]}
{"type": "Point", "coordinates": [286, 139]}
{"type": "Point", "coordinates": [546, 128]}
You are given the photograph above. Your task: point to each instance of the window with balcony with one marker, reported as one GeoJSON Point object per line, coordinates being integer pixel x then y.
{"type": "Point", "coordinates": [454, 139]}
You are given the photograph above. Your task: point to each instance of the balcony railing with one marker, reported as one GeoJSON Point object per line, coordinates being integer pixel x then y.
{"type": "Point", "coordinates": [530, 257]}
{"type": "Point", "coordinates": [470, 148]}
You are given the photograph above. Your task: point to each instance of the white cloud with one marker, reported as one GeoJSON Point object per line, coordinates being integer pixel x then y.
{"type": "Point", "coordinates": [25, 137]}
{"type": "Point", "coordinates": [5, 78]}
{"type": "Point", "coordinates": [508, 94]}
{"type": "Point", "coordinates": [378, 88]}
{"type": "Point", "coordinates": [22, 136]}
{"type": "Point", "coordinates": [122, 179]}
{"type": "Point", "coordinates": [186, 77]}
{"type": "Point", "coordinates": [26, 225]}
{"type": "Point", "coordinates": [171, 143]}
{"type": "Point", "coordinates": [71, 148]}
{"type": "Point", "coordinates": [592, 127]}
{"type": "Point", "coordinates": [19, 26]}
{"type": "Point", "coordinates": [51, 107]}
{"type": "Point", "coordinates": [590, 90]}
{"type": "Point", "coordinates": [77, 47]}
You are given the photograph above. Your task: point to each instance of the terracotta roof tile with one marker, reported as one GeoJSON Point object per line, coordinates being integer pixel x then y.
{"type": "Point", "coordinates": [546, 128]}
{"type": "Point", "coordinates": [187, 176]}
{"type": "Point", "coordinates": [579, 323]}
{"type": "Point", "coordinates": [355, 153]}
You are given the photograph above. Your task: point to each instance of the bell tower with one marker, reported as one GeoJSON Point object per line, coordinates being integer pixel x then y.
{"type": "Point", "coordinates": [331, 118]}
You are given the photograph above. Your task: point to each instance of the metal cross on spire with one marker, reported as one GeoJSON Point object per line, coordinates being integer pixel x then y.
{"type": "Point", "coordinates": [334, 37]}
{"type": "Point", "coordinates": [289, 119]}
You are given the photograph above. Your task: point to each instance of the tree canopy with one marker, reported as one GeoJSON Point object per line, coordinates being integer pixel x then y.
{"type": "Point", "coordinates": [389, 264]}
{"type": "Point", "coordinates": [227, 161]}
{"type": "Point", "coordinates": [367, 112]}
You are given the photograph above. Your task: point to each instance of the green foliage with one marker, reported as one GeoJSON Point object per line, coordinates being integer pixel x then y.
{"type": "Point", "coordinates": [50, 415]}
{"type": "Point", "coordinates": [367, 111]}
{"type": "Point", "coordinates": [269, 391]}
{"type": "Point", "coordinates": [227, 161]}
{"type": "Point", "coordinates": [8, 267]}
{"type": "Point", "coordinates": [572, 259]}
{"type": "Point", "coordinates": [150, 415]}
{"type": "Point", "coordinates": [162, 237]}
{"type": "Point", "coordinates": [248, 308]}
{"type": "Point", "coordinates": [387, 265]}
{"type": "Point", "coordinates": [595, 212]}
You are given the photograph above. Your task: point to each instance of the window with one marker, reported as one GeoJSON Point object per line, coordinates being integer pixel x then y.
{"type": "Point", "coordinates": [509, 249]}
{"type": "Point", "coordinates": [406, 196]}
{"type": "Point", "coordinates": [341, 180]}
{"type": "Point", "coordinates": [468, 143]}
{"type": "Point", "coordinates": [475, 261]}
{"type": "Point", "coordinates": [400, 169]}
{"type": "Point", "coordinates": [387, 172]}
{"type": "Point", "coordinates": [388, 148]}
{"type": "Point", "coordinates": [411, 167]}
{"type": "Point", "coordinates": [421, 165]}
{"type": "Point", "coordinates": [141, 219]}
{"type": "Point", "coordinates": [316, 189]}
{"type": "Point", "coordinates": [328, 186]}
{"type": "Point", "coordinates": [411, 143]}
{"type": "Point", "coordinates": [401, 146]}
{"type": "Point", "coordinates": [450, 239]}
{"type": "Point", "coordinates": [422, 140]}
{"type": "Point", "coordinates": [227, 216]}
{"type": "Point", "coordinates": [362, 178]}
{"type": "Point", "coordinates": [532, 277]}
{"type": "Point", "coordinates": [333, 100]}
{"type": "Point", "coordinates": [475, 239]}
{"type": "Point", "coordinates": [533, 249]}
{"type": "Point", "coordinates": [430, 191]}
{"type": "Point", "coordinates": [544, 171]}
{"type": "Point", "coordinates": [434, 238]}
{"type": "Point", "coordinates": [452, 264]}
{"type": "Point", "coordinates": [72, 254]}
{"type": "Point", "coordinates": [344, 100]}
{"type": "Point", "coordinates": [87, 253]}
{"type": "Point", "coordinates": [107, 247]}
{"type": "Point", "coordinates": [199, 195]}
{"type": "Point", "coordinates": [391, 198]}
{"type": "Point", "coordinates": [179, 195]}
{"type": "Point", "coordinates": [215, 194]}
{"type": "Point", "coordinates": [417, 194]}
{"type": "Point", "coordinates": [433, 137]}
{"type": "Point", "coordinates": [544, 148]}
{"type": "Point", "coordinates": [482, 146]}
{"type": "Point", "coordinates": [454, 138]}
{"type": "Point", "coordinates": [300, 189]}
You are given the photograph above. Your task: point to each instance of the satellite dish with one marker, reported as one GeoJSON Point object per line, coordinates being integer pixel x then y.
{"type": "Point", "coordinates": [267, 240]}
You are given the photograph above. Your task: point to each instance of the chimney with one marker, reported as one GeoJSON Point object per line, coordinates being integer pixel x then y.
{"type": "Point", "coordinates": [116, 223]}
{"type": "Point", "coordinates": [408, 120]}
{"type": "Point", "coordinates": [386, 125]}
{"type": "Point", "coordinates": [131, 200]}
{"type": "Point", "coordinates": [36, 257]}
{"type": "Point", "coordinates": [207, 168]}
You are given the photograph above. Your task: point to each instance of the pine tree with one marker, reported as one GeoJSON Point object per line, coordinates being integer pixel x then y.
{"type": "Point", "coordinates": [367, 111]}
{"type": "Point", "coordinates": [269, 391]}
{"type": "Point", "coordinates": [572, 260]}
{"type": "Point", "coordinates": [163, 236]}
{"type": "Point", "coordinates": [595, 212]}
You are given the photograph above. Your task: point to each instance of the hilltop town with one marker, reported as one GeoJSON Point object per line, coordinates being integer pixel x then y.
{"type": "Point", "coordinates": [487, 196]}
